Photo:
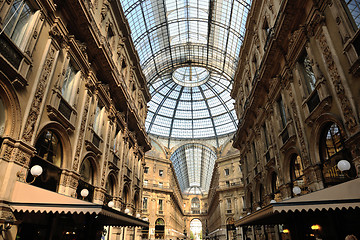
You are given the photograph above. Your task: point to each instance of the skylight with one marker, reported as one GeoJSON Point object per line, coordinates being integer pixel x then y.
{"type": "Point", "coordinates": [188, 52]}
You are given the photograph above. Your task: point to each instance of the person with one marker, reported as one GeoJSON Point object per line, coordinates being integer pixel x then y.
{"type": "Point", "coordinates": [351, 237]}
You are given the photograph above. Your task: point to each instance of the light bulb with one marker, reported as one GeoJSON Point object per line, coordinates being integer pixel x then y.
{"type": "Point", "coordinates": [272, 201]}
{"type": "Point", "coordinates": [296, 190]}
{"type": "Point", "coordinates": [127, 211]}
{"type": "Point", "coordinates": [111, 204]}
{"type": "Point", "coordinates": [138, 215]}
{"type": "Point", "coordinates": [36, 170]}
{"type": "Point", "coordinates": [84, 193]}
{"type": "Point", "coordinates": [343, 165]}
{"type": "Point", "coordinates": [258, 208]}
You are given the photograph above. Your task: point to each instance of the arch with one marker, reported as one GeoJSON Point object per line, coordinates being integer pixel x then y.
{"type": "Point", "coordinates": [318, 126]}
{"type": "Point", "coordinates": [61, 132]}
{"type": "Point", "coordinates": [160, 228]}
{"type": "Point", "coordinates": [287, 163]}
{"type": "Point", "coordinates": [195, 203]}
{"type": "Point", "coordinates": [331, 150]}
{"type": "Point", "coordinates": [137, 203]}
{"type": "Point", "coordinates": [12, 108]}
{"type": "Point", "coordinates": [111, 184]}
{"type": "Point", "coordinates": [195, 228]}
{"type": "Point", "coordinates": [126, 194]}
{"type": "Point", "coordinates": [91, 156]}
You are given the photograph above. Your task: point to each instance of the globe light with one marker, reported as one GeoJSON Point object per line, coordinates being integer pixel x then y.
{"type": "Point", "coordinates": [138, 215]}
{"type": "Point", "coordinates": [127, 211]}
{"type": "Point", "coordinates": [84, 193]}
{"type": "Point", "coordinates": [36, 170]}
{"type": "Point", "coordinates": [296, 190]}
{"type": "Point", "coordinates": [111, 204]}
{"type": "Point", "coordinates": [248, 213]}
{"type": "Point", "coordinates": [146, 219]}
{"type": "Point", "coordinates": [258, 208]}
{"type": "Point", "coordinates": [343, 165]}
{"type": "Point", "coordinates": [272, 201]}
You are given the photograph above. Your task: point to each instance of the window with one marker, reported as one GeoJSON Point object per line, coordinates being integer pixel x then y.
{"type": "Point", "coordinates": [99, 114]}
{"type": "Point", "coordinates": [160, 204]}
{"type": "Point", "coordinates": [265, 136]}
{"type": "Point", "coordinates": [307, 73]}
{"type": "Point", "coordinates": [49, 156]}
{"type": "Point", "coordinates": [227, 183]}
{"type": "Point", "coordinates": [145, 203]}
{"type": "Point", "coordinates": [18, 21]}
{"type": "Point", "coordinates": [282, 112]}
{"type": "Point", "coordinates": [49, 147]}
{"type": "Point", "coordinates": [354, 11]}
{"type": "Point", "coordinates": [145, 182]}
{"type": "Point", "coordinates": [195, 203]}
{"type": "Point", "coordinates": [161, 173]}
{"type": "Point", "coordinates": [254, 152]}
{"type": "Point", "coordinates": [68, 87]}
{"type": "Point", "coordinates": [146, 169]}
{"type": "Point", "coordinates": [227, 172]}
{"type": "Point", "coordinates": [275, 184]}
{"type": "Point", "coordinates": [87, 171]}
{"type": "Point", "coordinates": [228, 203]}
{"type": "Point", "coordinates": [332, 150]}
{"type": "Point", "coordinates": [109, 186]}
{"type": "Point", "coordinates": [296, 171]}
{"type": "Point", "coordinates": [261, 194]}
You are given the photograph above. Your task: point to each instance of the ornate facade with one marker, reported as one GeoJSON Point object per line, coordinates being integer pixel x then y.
{"type": "Point", "coordinates": [171, 211]}
{"type": "Point", "coordinates": [73, 100]}
{"type": "Point", "coordinates": [297, 100]}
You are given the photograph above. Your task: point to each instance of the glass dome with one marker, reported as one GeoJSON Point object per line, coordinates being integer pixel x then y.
{"type": "Point", "coordinates": [188, 51]}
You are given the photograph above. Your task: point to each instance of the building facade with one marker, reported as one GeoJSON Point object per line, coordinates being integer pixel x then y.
{"type": "Point", "coordinates": [297, 100]}
{"type": "Point", "coordinates": [73, 100]}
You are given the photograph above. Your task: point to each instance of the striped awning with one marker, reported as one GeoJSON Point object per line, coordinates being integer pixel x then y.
{"type": "Point", "coordinates": [30, 199]}
{"type": "Point", "coordinates": [345, 196]}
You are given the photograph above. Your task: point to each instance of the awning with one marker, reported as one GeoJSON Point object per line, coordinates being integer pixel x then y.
{"type": "Point", "coordinates": [32, 199]}
{"type": "Point", "coordinates": [343, 196]}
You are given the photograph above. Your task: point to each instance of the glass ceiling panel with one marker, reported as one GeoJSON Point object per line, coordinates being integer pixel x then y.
{"type": "Point", "coordinates": [188, 51]}
{"type": "Point", "coordinates": [193, 164]}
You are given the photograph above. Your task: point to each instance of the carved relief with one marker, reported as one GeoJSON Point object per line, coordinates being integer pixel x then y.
{"type": "Point", "coordinates": [39, 94]}
{"type": "Point", "coordinates": [350, 121]}
{"type": "Point", "coordinates": [81, 133]}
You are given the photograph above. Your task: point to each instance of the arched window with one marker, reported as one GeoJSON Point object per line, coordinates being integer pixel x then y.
{"type": "Point", "coordinates": [159, 228]}
{"type": "Point", "coordinates": [110, 189]}
{"type": "Point", "coordinates": [49, 157]}
{"type": "Point", "coordinates": [49, 148]}
{"type": "Point", "coordinates": [86, 180]}
{"type": "Point", "coordinates": [261, 195]}
{"type": "Point", "coordinates": [296, 172]}
{"type": "Point", "coordinates": [195, 203]}
{"type": "Point", "coordinates": [275, 187]}
{"type": "Point", "coordinates": [99, 116]}
{"type": "Point", "coordinates": [332, 150]}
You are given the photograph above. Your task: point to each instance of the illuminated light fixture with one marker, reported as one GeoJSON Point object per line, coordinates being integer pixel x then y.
{"type": "Point", "coordinates": [146, 219]}
{"type": "Point", "coordinates": [296, 190]}
{"type": "Point", "coordinates": [343, 165]}
{"type": "Point", "coordinates": [315, 227]}
{"type": "Point", "coordinates": [84, 193]}
{"type": "Point", "coordinates": [258, 208]}
{"type": "Point", "coordinates": [272, 201]}
{"type": "Point", "coordinates": [111, 204]}
{"type": "Point", "coordinates": [127, 211]}
{"type": "Point", "coordinates": [138, 215]}
{"type": "Point", "coordinates": [286, 230]}
{"type": "Point", "coordinates": [35, 171]}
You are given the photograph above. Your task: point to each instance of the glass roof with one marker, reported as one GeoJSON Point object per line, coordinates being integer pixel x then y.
{"type": "Point", "coordinates": [188, 52]}
{"type": "Point", "coordinates": [194, 165]}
